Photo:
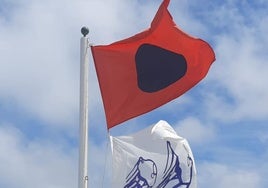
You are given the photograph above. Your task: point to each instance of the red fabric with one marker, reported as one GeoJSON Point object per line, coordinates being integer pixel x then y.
{"type": "Point", "coordinates": [117, 75]}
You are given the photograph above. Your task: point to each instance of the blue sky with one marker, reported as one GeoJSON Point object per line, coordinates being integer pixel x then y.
{"type": "Point", "coordinates": [224, 118]}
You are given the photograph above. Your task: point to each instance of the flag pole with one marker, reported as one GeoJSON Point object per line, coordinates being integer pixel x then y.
{"type": "Point", "coordinates": [83, 121]}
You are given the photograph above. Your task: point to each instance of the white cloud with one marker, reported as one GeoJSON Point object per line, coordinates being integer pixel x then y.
{"type": "Point", "coordinates": [195, 131]}
{"type": "Point", "coordinates": [241, 71]}
{"type": "Point", "coordinates": [37, 65]}
{"type": "Point", "coordinates": [29, 164]}
{"type": "Point", "coordinates": [48, 162]}
{"type": "Point", "coordinates": [221, 176]}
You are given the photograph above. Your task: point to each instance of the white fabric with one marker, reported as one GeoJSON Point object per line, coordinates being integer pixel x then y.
{"type": "Point", "coordinates": [155, 157]}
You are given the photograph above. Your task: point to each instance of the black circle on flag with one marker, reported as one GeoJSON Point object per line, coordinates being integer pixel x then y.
{"type": "Point", "coordinates": [157, 68]}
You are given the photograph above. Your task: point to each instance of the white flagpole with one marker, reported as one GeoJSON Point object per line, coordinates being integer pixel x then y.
{"type": "Point", "coordinates": [83, 144]}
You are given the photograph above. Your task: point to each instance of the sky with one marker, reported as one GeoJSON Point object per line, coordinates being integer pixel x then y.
{"type": "Point", "coordinates": [224, 117]}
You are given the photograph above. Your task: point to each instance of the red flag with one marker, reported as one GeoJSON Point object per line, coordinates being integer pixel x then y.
{"type": "Point", "coordinates": [145, 71]}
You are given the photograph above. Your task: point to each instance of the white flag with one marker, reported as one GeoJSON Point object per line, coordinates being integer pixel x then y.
{"type": "Point", "coordinates": [155, 157]}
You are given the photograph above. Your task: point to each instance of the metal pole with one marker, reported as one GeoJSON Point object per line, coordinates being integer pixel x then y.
{"type": "Point", "coordinates": [83, 128]}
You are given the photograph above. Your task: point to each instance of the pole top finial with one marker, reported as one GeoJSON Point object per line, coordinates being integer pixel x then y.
{"type": "Point", "coordinates": [84, 31]}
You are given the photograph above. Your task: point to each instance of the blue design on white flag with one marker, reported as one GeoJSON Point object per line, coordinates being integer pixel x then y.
{"type": "Point", "coordinates": [173, 171]}
{"type": "Point", "coordinates": [144, 172]}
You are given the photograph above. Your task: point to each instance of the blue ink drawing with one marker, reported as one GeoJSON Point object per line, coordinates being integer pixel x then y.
{"type": "Point", "coordinates": [172, 177]}
{"type": "Point", "coordinates": [143, 175]}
